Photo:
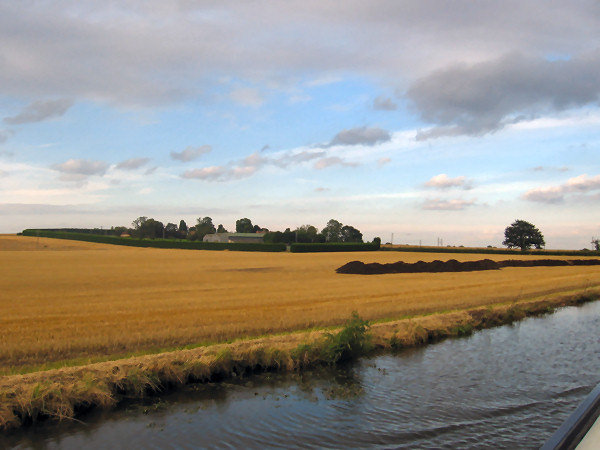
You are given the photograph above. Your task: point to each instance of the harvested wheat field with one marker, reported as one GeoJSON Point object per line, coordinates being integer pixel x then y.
{"type": "Point", "coordinates": [97, 302]}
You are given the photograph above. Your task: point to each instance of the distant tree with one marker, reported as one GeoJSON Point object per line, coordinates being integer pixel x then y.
{"type": "Point", "coordinates": [274, 237]}
{"type": "Point", "coordinates": [523, 235]}
{"type": "Point", "coordinates": [221, 229]}
{"type": "Point", "coordinates": [350, 234]}
{"type": "Point", "coordinates": [137, 223]}
{"type": "Point", "coordinates": [171, 230]}
{"type": "Point", "coordinates": [149, 228]}
{"type": "Point", "coordinates": [377, 240]}
{"type": "Point", "coordinates": [333, 231]}
{"type": "Point", "coordinates": [203, 227]}
{"type": "Point", "coordinates": [244, 226]}
{"type": "Point", "coordinates": [183, 229]}
{"type": "Point", "coordinates": [288, 236]}
{"type": "Point", "coordinates": [306, 233]}
{"type": "Point", "coordinates": [118, 231]}
{"type": "Point", "coordinates": [191, 234]}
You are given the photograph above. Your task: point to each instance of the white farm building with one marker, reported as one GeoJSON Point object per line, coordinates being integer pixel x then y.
{"type": "Point", "coordinates": [255, 238]}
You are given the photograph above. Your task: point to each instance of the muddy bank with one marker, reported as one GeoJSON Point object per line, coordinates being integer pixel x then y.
{"type": "Point", "coordinates": [452, 265]}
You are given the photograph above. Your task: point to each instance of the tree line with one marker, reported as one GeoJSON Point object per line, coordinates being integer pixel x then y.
{"type": "Point", "coordinates": [149, 228]}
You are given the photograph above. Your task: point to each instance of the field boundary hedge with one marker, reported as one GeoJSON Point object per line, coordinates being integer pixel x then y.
{"type": "Point", "coordinates": [334, 247]}
{"type": "Point", "coordinates": [490, 251]}
{"type": "Point", "coordinates": [157, 243]}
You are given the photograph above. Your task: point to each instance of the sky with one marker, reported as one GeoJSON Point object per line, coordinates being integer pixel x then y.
{"type": "Point", "coordinates": [416, 121]}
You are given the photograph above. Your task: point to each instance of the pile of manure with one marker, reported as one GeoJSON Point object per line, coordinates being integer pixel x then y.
{"type": "Point", "coordinates": [452, 265]}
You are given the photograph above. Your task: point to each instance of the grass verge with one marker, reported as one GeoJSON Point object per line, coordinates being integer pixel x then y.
{"type": "Point", "coordinates": [67, 393]}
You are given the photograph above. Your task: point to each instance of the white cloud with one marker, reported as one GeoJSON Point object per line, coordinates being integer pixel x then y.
{"type": "Point", "coordinates": [581, 184]}
{"type": "Point", "coordinates": [330, 161]}
{"type": "Point", "coordinates": [252, 163]}
{"type": "Point", "coordinates": [447, 205]}
{"type": "Point", "coordinates": [77, 169]}
{"type": "Point", "coordinates": [219, 173]}
{"type": "Point", "coordinates": [132, 163]}
{"type": "Point", "coordinates": [442, 181]}
{"type": "Point", "coordinates": [191, 153]}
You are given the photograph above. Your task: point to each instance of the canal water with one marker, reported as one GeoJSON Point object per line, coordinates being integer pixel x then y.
{"type": "Point", "coordinates": [506, 387]}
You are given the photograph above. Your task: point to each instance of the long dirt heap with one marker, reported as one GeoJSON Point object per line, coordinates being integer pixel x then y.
{"type": "Point", "coordinates": [452, 265]}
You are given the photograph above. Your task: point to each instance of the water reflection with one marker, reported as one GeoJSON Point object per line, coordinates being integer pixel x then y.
{"type": "Point", "coordinates": [508, 387]}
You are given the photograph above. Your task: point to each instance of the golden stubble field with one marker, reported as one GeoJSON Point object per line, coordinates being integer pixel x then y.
{"type": "Point", "coordinates": [62, 300]}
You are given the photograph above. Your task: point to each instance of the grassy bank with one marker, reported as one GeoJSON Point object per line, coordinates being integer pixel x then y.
{"type": "Point", "coordinates": [68, 392]}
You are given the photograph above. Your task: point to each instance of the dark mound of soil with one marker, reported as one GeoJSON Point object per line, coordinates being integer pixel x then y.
{"type": "Point", "coordinates": [452, 265]}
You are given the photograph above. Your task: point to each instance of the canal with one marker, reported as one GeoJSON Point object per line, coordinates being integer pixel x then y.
{"type": "Point", "coordinates": [506, 387]}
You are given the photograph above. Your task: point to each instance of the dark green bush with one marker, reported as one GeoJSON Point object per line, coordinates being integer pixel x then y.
{"type": "Point", "coordinates": [157, 243]}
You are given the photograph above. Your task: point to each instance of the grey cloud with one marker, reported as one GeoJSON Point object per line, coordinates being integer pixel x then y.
{"type": "Point", "coordinates": [482, 98]}
{"type": "Point", "coordinates": [447, 205]}
{"type": "Point", "coordinates": [290, 159]}
{"type": "Point", "coordinates": [4, 135]}
{"type": "Point", "coordinates": [382, 103]}
{"type": "Point", "coordinates": [247, 97]}
{"type": "Point", "coordinates": [79, 169]}
{"type": "Point", "coordinates": [443, 181]}
{"type": "Point", "coordinates": [132, 163]}
{"type": "Point", "coordinates": [545, 195]}
{"type": "Point", "coordinates": [40, 110]}
{"type": "Point", "coordinates": [556, 194]}
{"type": "Point", "coordinates": [545, 168]}
{"type": "Point", "coordinates": [191, 153]}
{"type": "Point", "coordinates": [360, 136]}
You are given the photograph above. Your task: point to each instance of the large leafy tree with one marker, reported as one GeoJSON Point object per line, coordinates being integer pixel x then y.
{"type": "Point", "coordinates": [244, 226]}
{"type": "Point", "coordinates": [333, 231]}
{"type": "Point", "coordinates": [306, 233]}
{"type": "Point", "coordinates": [171, 230]}
{"type": "Point", "coordinates": [523, 235]}
{"type": "Point", "coordinates": [148, 228]}
{"type": "Point", "coordinates": [351, 234]}
{"type": "Point", "coordinates": [204, 226]}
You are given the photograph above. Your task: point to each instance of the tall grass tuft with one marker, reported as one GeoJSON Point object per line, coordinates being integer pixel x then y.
{"type": "Point", "coordinates": [351, 342]}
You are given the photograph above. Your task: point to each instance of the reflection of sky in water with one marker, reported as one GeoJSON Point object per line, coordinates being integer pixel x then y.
{"type": "Point", "coordinates": [501, 388]}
